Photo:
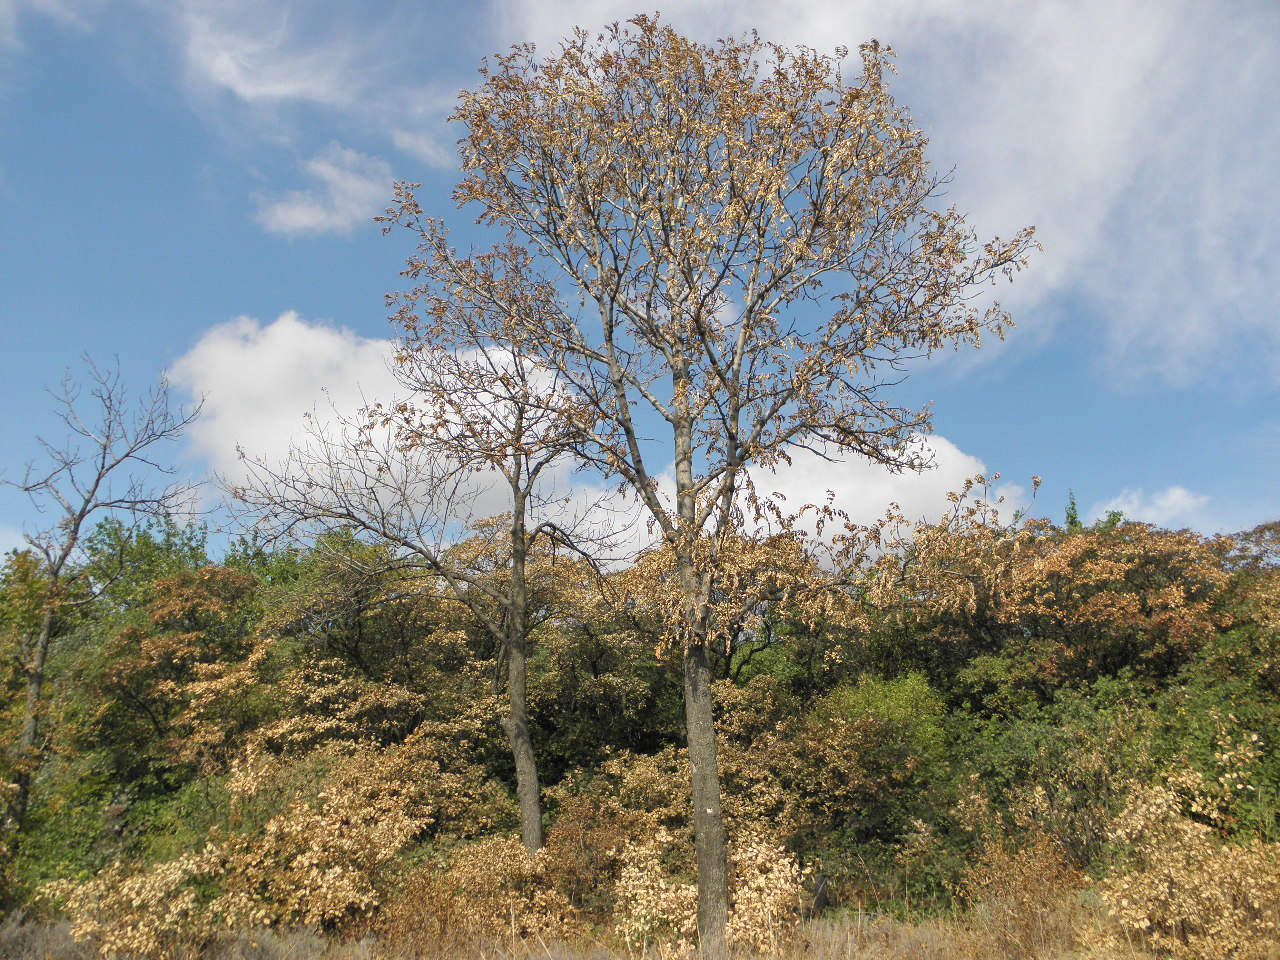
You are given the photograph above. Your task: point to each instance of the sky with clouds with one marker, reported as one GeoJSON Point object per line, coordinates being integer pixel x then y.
{"type": "Point", "coordinates": [189, 185]}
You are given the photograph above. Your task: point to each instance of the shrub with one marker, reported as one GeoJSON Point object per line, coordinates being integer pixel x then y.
{"type": "Point", "coordinates": [1180, 888]}
{"type": "Point", "coordinates": [659, 908]}
{"type": "Point", "coordinates": [493, 890]}
{"type": "Point", "coordinates": [653, 906]}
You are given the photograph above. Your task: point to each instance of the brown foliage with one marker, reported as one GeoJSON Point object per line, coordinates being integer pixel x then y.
{"type": "Point", "coordinates": [491, 891]}
{"type": "Point", "coordinates": [1061, 606]}
{"type": "Point", "coordinates": [163, 674]}
{"type": "Point", "coordinates": [1180, 888]}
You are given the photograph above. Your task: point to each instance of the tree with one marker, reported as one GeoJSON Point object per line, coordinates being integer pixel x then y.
{"type": "Point", "coordinates": [733, 242]}
{"type": "Point", "coordinates": [105, 467]}
{"type": "Point", "coordinates": [411, 475]}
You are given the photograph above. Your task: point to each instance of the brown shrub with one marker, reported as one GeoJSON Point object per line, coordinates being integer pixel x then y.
{"type": "Point", "coordinates": [1023, 898]}
{"type": "Point", "coordinates": [1180, 888]}
{"type": "Point", "coordinates": [492, 891]}
{"type": "Point", "coordinates": [584, 850]}
{"type": "Point", "coordinates": [656, 907]}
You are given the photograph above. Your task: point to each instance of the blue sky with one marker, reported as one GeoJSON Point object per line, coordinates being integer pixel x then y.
{"type": "Point", "coordinates": [190, 185]}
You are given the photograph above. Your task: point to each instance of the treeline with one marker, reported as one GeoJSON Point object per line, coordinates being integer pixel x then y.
{"type": "Point", "coordinates": [984, 715]}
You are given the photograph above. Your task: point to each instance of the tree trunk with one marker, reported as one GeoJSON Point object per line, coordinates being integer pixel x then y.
{"type": "Point", "coordinates": [517, 719]}
{"type": "Point", "coordinates": [516, 724]}
{"type": "Point", "coordinates": [33, 667]}
{"type": "Point", "coordinates": [710, 842]}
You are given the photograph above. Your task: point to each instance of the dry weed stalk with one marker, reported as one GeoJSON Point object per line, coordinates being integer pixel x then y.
{"type": "Point", "coordinates": [494, 891]}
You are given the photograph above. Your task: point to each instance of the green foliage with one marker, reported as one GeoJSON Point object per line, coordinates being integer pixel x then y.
{"type": "Point", "coordinates": [199, 708]}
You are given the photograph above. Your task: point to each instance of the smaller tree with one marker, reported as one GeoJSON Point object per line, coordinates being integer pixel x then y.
{"type": "Point", "coordinates": [104, 467]}
{"type": "Point", "coordinates": [421, 475]}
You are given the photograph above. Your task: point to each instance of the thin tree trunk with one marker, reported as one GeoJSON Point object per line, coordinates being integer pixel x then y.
{"type": "Point", "coordinates": [517, 719]}
{"type": "Point", "coordinates": [33, 666]}
{"type": "Point", "coordinates": [710, 842]}
{"type": "Point", "coordinates": [517, 727]}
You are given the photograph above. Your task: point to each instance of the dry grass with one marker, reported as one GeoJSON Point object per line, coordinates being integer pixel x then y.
{"type": "Point", "coordinates": [854, 937]}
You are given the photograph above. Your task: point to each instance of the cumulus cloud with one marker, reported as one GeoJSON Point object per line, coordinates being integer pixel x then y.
{"type": "Point", "coordinates": [268, 388]}
{"type": "Point", "coordinates": [260, 382]}
{"type": "Point", "coordinates": [864, 490]}
{"type": "Point", "coordinates": [352, 189]}
{"type": "Point", "coordinates": [1173, 506]}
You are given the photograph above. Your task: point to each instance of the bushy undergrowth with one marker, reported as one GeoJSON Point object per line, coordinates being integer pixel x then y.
{"type": "Point", "coordinates": [1063, 759]}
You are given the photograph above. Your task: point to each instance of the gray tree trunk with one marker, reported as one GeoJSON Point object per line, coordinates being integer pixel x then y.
{"type": "Point", "coordinates": [710, 841]}
{"type": "Point", "coordinates": [516, 724]}
{"type": "Point", "coordinates": [517, 719]}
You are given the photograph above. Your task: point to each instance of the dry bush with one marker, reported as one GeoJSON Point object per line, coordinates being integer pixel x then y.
{"type": "Point", "coordinates": [153, 914]}
{"type": "Point", "coordinates": [584, 850]}
{"type": "Point", "coordinates": [316, 861]}
{"type": "Point", "coordinates": [1180, 888]}
{"type": "Point", "coordinates": [657, 907]}
{"type": "Point", "coordinates": [492, 891]}
{"type": "Point", "coordinates": [1022, 889]}
{"type": "Point", "coordinates": [767, 893]}
{"type": "Point", "coordinates": [41, 941]}
{"type": "Point", "coordinates": [1023, 898]}
{"type": "Point", "coordinates": [654, 907]}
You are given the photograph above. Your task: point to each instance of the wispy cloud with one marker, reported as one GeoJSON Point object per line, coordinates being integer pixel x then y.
{"type": "Point", "coordinates": [252, 51]}
{"type": "Point", "coordinates": [1118, 129]}
{"type": "Point", "coordinates": [1138, 137]}
{"type": "Point", "coordinates": [352, 188]}
{"type": "Point", "coordinates": [425, 146]}
{"type": "Point", "coordinates": [74, 13]}
{"type": "Point", "coordinates": [362, 65]}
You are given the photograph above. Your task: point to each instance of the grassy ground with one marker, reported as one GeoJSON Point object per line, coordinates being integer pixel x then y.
{"type": "Point", "coordinates": [846, 938]}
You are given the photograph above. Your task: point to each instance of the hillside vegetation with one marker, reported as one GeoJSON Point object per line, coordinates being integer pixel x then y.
{"type": "Point", "coordinates": [993, 741]}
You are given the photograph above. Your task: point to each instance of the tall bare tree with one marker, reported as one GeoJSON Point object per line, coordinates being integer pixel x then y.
{"type": "Point", "coordinates": [738, 245]}
{"type": "Point", "coordinates": [105, 465]}
{"type": "Point", "coordinates": [418, 474]}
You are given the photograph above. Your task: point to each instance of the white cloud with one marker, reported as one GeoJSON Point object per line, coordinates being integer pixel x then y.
{"type": "Point", "coordinates": [425, 147]}
{"type": "Point", "coordinates": [272, 53]}
{"type": "Point", "coordinates": [864, 490]}
{"type": "Point", "coordinates": [251, 67]}
{"type": "Point", "coordinates": [73, 13]}
{"type": "Point", "coordinates": [269, 388]}
{"type": "Point", "coordinates": [259, 383]}
{"type": "Point", "coordinates": [325, 53]}
{"type": "Point", "coordinates": [1173, 506]}
{"type": "Point", "coordinates": [353, 189]}
{"type": "Point", "coordinates": [1137, 136]}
